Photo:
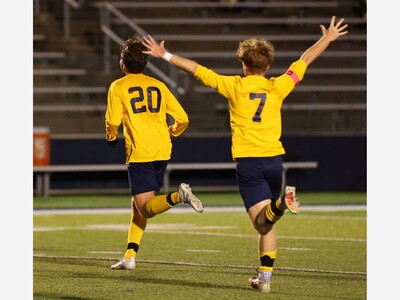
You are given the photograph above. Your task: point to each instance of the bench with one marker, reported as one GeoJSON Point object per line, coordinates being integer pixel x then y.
{"type": "Point", "coordinates": [215, 4]}
{"type": "Point", "coordinates": [59, 72]}
{"type": "Point", "coordinates": [309, 88]}
{"type": "Point", "coordinates": [241, 37]}
{"type": "Point", "coordinates": [70, 90]}
{"type": "Point", "coordinates": [236, 21]}
{"type": "Point", "coordinates": [311, 71]}
{"type": "Point", "coordinates": [281, 54]}
{"type": "Point", "coordinates": [39, 37]}
{"type": "Point", "coordinates": [48, 54]}
{"type": "Point", "coordinates": [70, 108]}
{"type": "Point", "coordinates": [43, 173]}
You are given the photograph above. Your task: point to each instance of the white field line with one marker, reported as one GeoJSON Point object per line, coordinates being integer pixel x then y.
{"type": "Point", "coordinates": [184, 210]}
{"type": "Point", "coordinates": [201, 265]}
{"type": "Point", "coordinates": [189, 229]}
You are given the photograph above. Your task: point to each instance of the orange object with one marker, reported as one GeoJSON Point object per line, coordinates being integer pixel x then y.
{"type": "Point", "coordinates": [41, 146]}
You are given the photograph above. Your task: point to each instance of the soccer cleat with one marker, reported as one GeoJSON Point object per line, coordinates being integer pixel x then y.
{"type": "Point", "coordinates": [291, 202]}
{"type": "Point", "coordinates": [125, 264]}
{"type": "Point", "coordinates": [262, 282]}
{"type": "Point", "coordinates": [186, 195]}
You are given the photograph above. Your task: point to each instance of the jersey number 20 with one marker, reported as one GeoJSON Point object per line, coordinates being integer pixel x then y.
{"type": "Point", "coordinates": [151, 91]}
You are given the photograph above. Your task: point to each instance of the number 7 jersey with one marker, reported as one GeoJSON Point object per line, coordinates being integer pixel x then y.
{"type": "Point", "coordinates": [142, 103]}
{"type": "Point", "coordinates": [255, 108]}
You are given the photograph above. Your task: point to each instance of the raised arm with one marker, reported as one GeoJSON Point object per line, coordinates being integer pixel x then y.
{"type": "Point", "coordinates": [158, 50]}
{"type": "Point", "coordinates": [328, 35]}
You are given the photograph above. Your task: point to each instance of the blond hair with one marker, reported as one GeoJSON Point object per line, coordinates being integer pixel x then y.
{"type": "Point", "coordinates": [256, 54]}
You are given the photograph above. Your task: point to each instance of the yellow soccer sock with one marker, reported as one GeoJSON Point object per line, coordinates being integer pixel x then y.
{"type": "Point", "coordinates": [157, 205]}
{"type": "Point", "coordinates": [267, 260]}
{"type": "Point", "coordinates": [272, 213]}
{"type": "Point", "coordinates": [173, 198]}
{"type": "Point", "coordinates": [137, 227]}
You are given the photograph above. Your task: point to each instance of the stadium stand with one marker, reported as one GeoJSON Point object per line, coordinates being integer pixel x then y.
{"type": "Point", "coordinates": [76, 57]}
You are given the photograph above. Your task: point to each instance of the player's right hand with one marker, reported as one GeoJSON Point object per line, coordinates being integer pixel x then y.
{"type": "Point", "coordinates": [113, 143]}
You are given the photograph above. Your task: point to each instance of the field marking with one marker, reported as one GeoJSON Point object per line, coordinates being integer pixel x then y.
{"type": "Point", "coordinates": [184, 210]}
{"type": "Point", "coordinates": [159, 228]}
{"type": "Point", "coordinates": [202, 265]}
{"type": "Point", "coordinates": [203, 250]}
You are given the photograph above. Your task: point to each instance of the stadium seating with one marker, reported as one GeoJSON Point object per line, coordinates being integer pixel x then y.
{"type": "Point", "coordinates": [74, 65]}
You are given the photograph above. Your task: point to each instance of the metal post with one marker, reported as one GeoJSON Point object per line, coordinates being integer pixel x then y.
{"type": "Point", "coordinates": [66, 19]}
{"type": "Point", "coordinates": [37, 6]}
{"type": "Point", "coordinates": [105, 20]}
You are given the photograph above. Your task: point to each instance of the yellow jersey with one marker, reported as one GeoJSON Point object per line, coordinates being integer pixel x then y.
{"type": "Point", "coordinates": [255, 108]}
{"type": "Point", "coordinates": [142, 103]}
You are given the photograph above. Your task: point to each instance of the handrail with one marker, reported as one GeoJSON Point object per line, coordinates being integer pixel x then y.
{"type": "Point", "coordinates": [105, 28]}
{"type": "Point", "coordinates": [66, 15]}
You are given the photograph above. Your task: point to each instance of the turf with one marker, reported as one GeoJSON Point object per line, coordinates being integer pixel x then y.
{"type": "Point", "coordinates": [321, 255]}
{"type": "Point", "coordinates": [208, 199]}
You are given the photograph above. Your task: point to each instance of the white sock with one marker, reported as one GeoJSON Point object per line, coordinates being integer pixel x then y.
{"type": "Point", "coordinates": [264, 276]}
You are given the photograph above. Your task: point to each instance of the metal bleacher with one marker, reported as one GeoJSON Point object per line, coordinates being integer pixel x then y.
{"type": "Point", "coordinates": [72, 74]}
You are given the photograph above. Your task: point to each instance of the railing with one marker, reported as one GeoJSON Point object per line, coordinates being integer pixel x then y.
{"type": "Point", "coordinates": [108, 9]}
{"type": "Point", "coordinates": [110, 14]}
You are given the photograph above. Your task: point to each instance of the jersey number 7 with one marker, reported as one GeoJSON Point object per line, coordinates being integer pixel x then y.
{"type": "Point", "coordinates": [263, 98]}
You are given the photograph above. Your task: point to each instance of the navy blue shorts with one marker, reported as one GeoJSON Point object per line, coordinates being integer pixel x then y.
{"type": "Point", "coordinates": [259, 178]}
{"type": "Point", "coordinates": [146, 177]}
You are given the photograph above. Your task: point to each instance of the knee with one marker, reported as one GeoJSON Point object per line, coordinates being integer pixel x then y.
{"type": "Point", "coordinates": [262, 228]}
{"type": "Point", "coordinates": [260, 223]}
{"type": "Point", "coordinates": [145, 214]}
{"type": "Point", "coordinates": [141, 209]}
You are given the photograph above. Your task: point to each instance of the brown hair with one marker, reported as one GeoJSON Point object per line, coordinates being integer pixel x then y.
{"type": "Point", "coordinates": [256, 54]}
{"type": "Point", "coordinates": [132, 56]}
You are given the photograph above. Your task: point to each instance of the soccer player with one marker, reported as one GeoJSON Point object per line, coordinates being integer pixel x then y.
{"type": "Point", "coordinates": [254, 106]}
{"type": "Point", "coordinates": [141, 104]}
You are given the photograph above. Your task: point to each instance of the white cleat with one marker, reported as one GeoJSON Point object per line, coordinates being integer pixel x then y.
{"type": "Point", "coordinates": [125, 264]}
{"type": "Point", "coordinates": [261, 284]}
{"type": "Point", "coordinates": [186, 195]}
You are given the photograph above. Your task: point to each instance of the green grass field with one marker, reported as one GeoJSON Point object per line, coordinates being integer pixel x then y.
{"type": "Point", "coordinates": [185, 255]}
{"type": "Point", "coordinates": [208, 199]}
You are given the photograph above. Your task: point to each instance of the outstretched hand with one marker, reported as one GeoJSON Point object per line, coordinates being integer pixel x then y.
{"type": "Point", "coordinates": [154, 49]}
{"type": "Point", "coordinates": [334, 31]}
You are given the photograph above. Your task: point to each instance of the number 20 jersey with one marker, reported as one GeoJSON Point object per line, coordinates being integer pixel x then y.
{"type": "Point", "coordinates": [255, 108]}
{"type": "Point", "coordinates": [142, 103]}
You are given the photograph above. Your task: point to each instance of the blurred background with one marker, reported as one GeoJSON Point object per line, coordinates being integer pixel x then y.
{"type": "Point", "coordinates": [76, 57]}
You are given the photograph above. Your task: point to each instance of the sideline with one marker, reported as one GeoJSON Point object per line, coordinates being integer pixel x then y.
{"type": "Point", "coordinates": [184, 210]}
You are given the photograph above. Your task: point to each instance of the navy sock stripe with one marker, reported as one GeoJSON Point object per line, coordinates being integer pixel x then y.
{"type": "Point", "coordinates": [267, 261]}
{"type": "Point", "coordinates": [133, 246]}
{"type": "Point", "coordinates": [169, 200]}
